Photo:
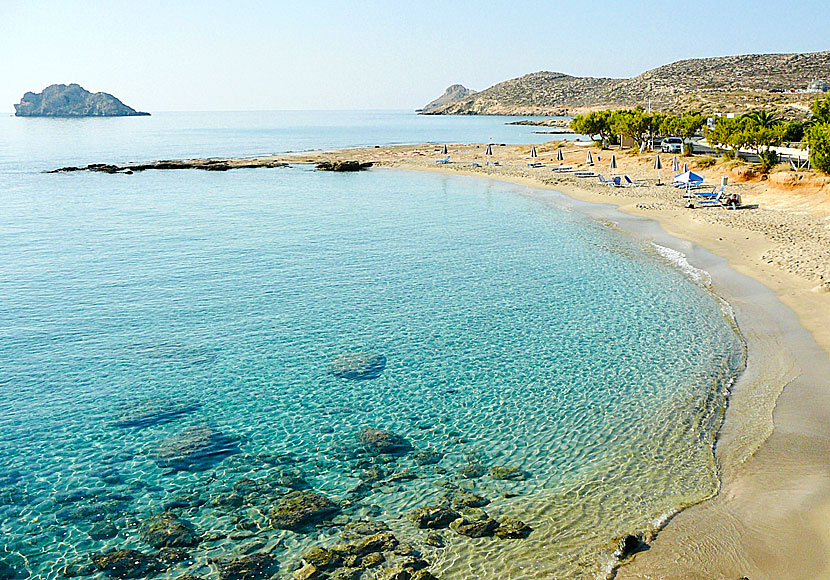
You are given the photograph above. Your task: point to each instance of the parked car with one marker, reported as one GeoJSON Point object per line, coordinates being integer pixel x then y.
{"type": "Point", "coordinates": [672, 145]}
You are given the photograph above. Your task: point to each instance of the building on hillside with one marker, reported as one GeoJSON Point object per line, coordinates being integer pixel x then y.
{"type": "Point", "coordinates": [817, 86]}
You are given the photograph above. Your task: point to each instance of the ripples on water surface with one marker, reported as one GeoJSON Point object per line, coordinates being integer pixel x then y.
{"type": "Point", "coordinates": [516, 334]}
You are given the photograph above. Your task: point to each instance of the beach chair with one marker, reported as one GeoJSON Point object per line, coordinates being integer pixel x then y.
{"type": "Point", "coordinates": [631, 183]}
{"type": "Point", "coordinates": [535, 164]}
{"type": "Point", "coordinates": [444, 161]}
{"type": "Point", "coordinates": [615, 182]}
{"type": "Point", "coordinates": [475, 165]}
{"type": "Point", "coordinates": [561, 168]}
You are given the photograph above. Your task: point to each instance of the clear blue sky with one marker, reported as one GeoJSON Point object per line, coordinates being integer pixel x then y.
{"type": "Point", "coordinates": [248, 55]}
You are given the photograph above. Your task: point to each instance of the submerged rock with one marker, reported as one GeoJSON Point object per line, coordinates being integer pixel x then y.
{"type": "Point", "coordinates": [427, 457]}
{"type": "Point", "coordinates": [472, 470]}
{"type": "Point", "coordinates": [253, 567]}
{"type": "Point", "coordinates": [354, 531]}
{"type": "Point", "coordinates": [299, 509]}
{"type": "Point", "coordinates": [511, 528]}
{"type": "Point", "coordinates": [466, 499]}
{"type": "Point", "coordinates": [432, 516]}
{"type": "Point", "coordinates": [322, 558]}
{"type": "Point", "coordinates": [146, 412]}
{"type": "Point", "coordinates": [505, 472]}
{"type": "Point", "coordinates": [126, 564]}
{"type": "Point", "coordinates": [357, 366]}
{"type": "Point", "coordinates": [167, 531]}
{"type": "Point", "coordinates": [7, 572]}
{"type": "Point", "coordinates": [475, 523]}
{"type": "Point", "coordinates": [382, 441]}
{"type": "Point", "coordinates": [195, 449]}
{"type": "Point", "coordinates": [171, 556]}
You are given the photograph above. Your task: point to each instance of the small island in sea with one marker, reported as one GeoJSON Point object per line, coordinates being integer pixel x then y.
{"type": "Point", "coordinates": [72, 101]}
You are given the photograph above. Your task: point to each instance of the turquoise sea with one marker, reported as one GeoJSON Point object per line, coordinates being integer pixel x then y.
{"type": "Point", "coordinates": [166, 340]}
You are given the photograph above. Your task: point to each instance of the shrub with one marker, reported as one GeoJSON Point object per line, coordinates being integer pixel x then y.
{"type": "Point", "coordinates": [728, 154]}
{"type": "Point", "coordinates": [768, 159]}
{"type": "Point", "coordinates": [706, 162]}
{"type": "Point", "coordinates": [794, 131]}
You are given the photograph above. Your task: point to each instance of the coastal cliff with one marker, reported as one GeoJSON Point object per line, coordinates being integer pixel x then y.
{"type": "Point", "coordinates": [72, 101]}
{"type": "Point", "coordinates": [709, 85]}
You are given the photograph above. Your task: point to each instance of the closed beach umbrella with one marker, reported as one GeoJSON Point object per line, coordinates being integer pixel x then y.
{"type": "Point", "coordinates": [533, 152]}
{"type": "Point", "coordinates": [675, 164]}
{"type": "Point", "coordinates": [685, 167]}
{"type": "Point", "coordinates": [613, 165]}
{"type": "Point", "coordinates": [489, 150]}
{"type": "Point", "coordinates": [559, 155]}
{"type": "Point", "coordinates": [444, 150]}
{"type": "Point", "coordinates": [589, 159]}
{"type": "Point", "coordinates": [658, 165]}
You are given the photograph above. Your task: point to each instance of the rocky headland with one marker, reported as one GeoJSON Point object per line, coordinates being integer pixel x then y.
{"type": "Point", "coordinates": [72, 101]}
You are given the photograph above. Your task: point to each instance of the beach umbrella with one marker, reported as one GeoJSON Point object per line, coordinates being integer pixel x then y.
{"type": "Point", "coordinates": [675, 164]}
{"type": "Point", "coordinates": [685, 167]}
{"type": "Point", "coordinates": [688, 178]}
{"type": "Point", "coordinates": [559, 155]}
{"type": "Point", "coordinates": [533, 152]}
{"type": "Point", "coordinates": [613, 164]}
{"type": "Point", "coordinates": [589, 159]}
{"type": "Point", "coordinates": [658, 165]}
{"type": "Point", "coordinates": [489, 150]}
{"type": "Point", "coordinates": [444, 150]}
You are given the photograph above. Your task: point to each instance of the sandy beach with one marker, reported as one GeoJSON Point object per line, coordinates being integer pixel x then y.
{"type": "Point", "coordinates": [771, 262]}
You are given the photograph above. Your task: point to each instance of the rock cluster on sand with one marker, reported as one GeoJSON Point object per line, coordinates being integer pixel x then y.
{"type": "Point", "coordinates": [473, 522]}
{"type": "Point", "coordinates": [72, 101]}
{"type": "Point", "coordinates": [357, 366]}
{"type": "Point", "coordinates": [126, 564]}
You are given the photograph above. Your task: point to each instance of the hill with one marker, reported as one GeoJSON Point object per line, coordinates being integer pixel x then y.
{"type": "Point", "coordinates": [720, 84]}
{"type": "Point", "coordinates": [452, 94]}
{"type": "Point", "coordinates": [72, 101]}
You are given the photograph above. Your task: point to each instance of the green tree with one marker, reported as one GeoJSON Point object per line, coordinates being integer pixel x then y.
{"type": "Point", "coordinates": [765, 119]}
{"type": "Point", "coordinates": [794, 131]}
{"type": "Point", "coordinates": [594, 124]}
{"type": "Point", "coordinates": [691, 124]}
{"type": "Point", "coordinates": [633, 124]}
{"type": "Point", "coordinates": [818, 139]}
{"type": "Point", "coordinates": [821, 110]}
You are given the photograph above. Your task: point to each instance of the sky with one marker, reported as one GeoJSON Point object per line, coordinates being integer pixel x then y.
{"type": "Point", "coordinates": [182, 55]}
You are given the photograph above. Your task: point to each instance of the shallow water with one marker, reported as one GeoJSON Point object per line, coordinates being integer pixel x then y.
{"type": "Point", "coordinates": [515, 334]}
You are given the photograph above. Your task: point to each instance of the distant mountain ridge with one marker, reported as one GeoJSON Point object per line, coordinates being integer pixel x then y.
{"type": "Point", "coordinates": [719, 84]}
{"type": "Point", "coordinates": [72, 101]}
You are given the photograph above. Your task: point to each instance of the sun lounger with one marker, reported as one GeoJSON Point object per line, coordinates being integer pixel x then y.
{"type": "Point", "coordinates": [568, 168]}
{"type": "Point", "coordinates": [444, 161]}
{"type": "Point", "coordinates": [631, 183]}
{"type": "Point", "coordinates": [584, 174]}
{"type": "Point", "coordinates": [614, 182]}
{"type": "Point", "coordinates": [476, 165]}
{"type": "Point", "coordinates": [535, 164]}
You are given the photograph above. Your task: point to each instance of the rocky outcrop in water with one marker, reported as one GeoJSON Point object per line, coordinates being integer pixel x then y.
{"type": "Point", "coordinates": [474, 523]}
{"type": "Point", "coordinates": [72, 101]}
{"type": "Point", "coordinates": [377, 441]}
{"type": "Point", "coordinates": [357, 366]}
{"type": "Point", "coordinates": [300, 509]}
{"type": "Point", "coordinates": [512, 528]}
{"type": "Point", "coordinates": [505, 472]}
{"type": "Point", "coordinates": [343, 165]}
{"type": "Point", "coordinates": [203, 164]}
{"type": "Point", "coordinates": [195, 449]}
